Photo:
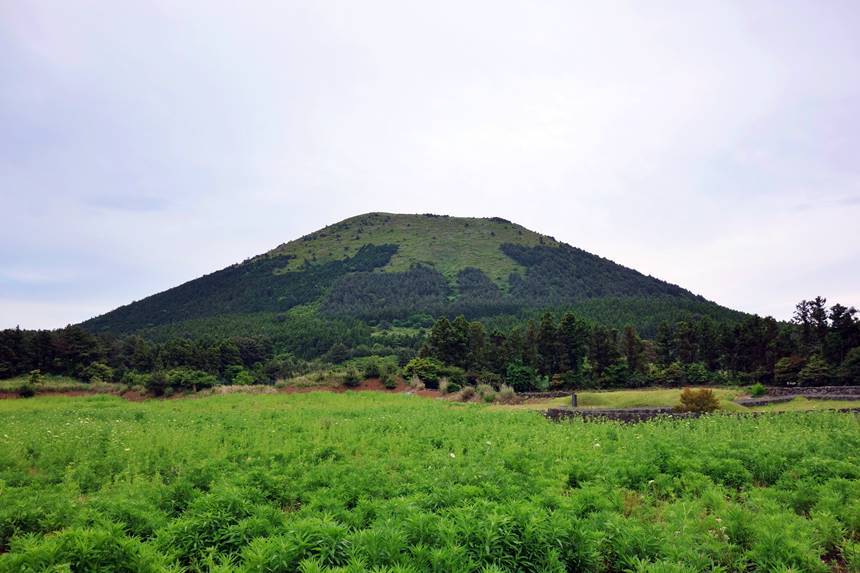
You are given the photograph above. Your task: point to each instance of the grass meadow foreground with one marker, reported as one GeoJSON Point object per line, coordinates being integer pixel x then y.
{"type": "Point", "coordinates": [372, 482]}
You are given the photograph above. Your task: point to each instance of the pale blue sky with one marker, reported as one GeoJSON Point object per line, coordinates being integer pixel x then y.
{"type": "Point", "coordinates": [712, 144]}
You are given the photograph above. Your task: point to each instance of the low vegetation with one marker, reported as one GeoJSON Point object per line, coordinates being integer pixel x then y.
{"type": "Point", "coordinates": [394, 483]}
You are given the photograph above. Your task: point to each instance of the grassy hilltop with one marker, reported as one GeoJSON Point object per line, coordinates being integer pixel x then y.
{"type": "Point", "coordinates": [448, 244]}
{"type": "Point", "coordinates": [390, 267]}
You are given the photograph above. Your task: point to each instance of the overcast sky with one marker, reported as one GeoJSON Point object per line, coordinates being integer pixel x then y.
{"type": "Point", "coordinates": [712, 144]}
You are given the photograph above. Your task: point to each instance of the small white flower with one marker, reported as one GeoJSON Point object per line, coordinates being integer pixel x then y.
{"type": "Point", "coordinates": [452, 455]}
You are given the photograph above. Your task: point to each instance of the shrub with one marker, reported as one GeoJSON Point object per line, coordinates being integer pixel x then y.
{"type": "Point", "coordinates": [506, 394]}
{"type": "Point", "coordinates": [425, 369]}
{"type": "Point", "coordinates": [757, 390]}
{"type": "Point", "coordinates": [372, 369]}
{"type": "Point", "coordinates": [167, 383]}
{"type": "Point", "coordinates": [27, 390]}
{"type": "Point", "coordinates": [467, 393]}
{"type": "Point", "coordinates": [702, 400]}
{"type": "Point", "coordinates": [697, 373]}
{"type": "Point", "coordinates": [351, 378]}
{"type": "Point", "coordinates": [389, 381]}
{"type": "Point", "coordinates": [243, 378]}
{"type": "Point", "coordinates": [484, 389]}
{"type": "Point", "coordinates": [673, 375]}
{"type": "Point", "coordinates": [98, 372]}
{"type": "Point", "coordinates": [489, 377]}
{"type": "Point", "coordinates": [520, 377]}
{"type": "Point", "coordinates": [194, 380]}
{"type": "Point", "coordinates": [443, 385]}
{"type": "Point", "coordinates": [454, 375]}
{"type": "Point", "coordinates": [35, 377]}
{"type": "Point", "coordinates": [416, 383]}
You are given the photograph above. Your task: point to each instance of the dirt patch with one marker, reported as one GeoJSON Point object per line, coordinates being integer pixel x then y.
{"type": "Point", "coordinates": [369, 385]}
{"type": "Point", "coordinates": [5, 395]}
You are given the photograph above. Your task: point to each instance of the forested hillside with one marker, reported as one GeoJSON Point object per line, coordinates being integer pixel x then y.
{"type": "Point", "coordinates": [408, 269]}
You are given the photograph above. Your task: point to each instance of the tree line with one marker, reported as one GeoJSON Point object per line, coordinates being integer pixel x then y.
{"type": "Point", "coordinates": [819, 346]}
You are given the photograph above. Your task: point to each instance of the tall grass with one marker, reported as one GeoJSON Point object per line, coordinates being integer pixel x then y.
{"type": "Point", "coordinates": [379, 482]}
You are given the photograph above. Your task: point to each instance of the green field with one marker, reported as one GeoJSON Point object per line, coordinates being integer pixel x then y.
{"type": "Point", "coordinates": [377, 482]}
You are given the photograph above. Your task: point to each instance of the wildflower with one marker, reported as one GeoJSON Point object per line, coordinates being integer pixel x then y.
{"type": "Point", "coordinates": [452, 455]}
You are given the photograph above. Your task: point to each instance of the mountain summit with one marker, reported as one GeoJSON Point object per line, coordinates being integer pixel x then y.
{"type": "Point", "coordinates": [394, 267]}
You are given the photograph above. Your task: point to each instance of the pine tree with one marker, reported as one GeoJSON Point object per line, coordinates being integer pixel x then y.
{"type": "Point", "coordinates": [632, 347]}
{"type": "Point", "coordinates": [547, 346]}
{"type": "Point", "coordinates": [573, 341]}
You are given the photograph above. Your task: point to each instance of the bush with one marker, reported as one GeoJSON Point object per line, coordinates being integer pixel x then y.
{"type": "Point", "coordinates": [425, 369]}
{"type": "Point", "coordinates": [702, 400]}
{"type": "Point", "coordinates": [98, 372]}
{"type": "Point", "coordinates": [35, 377]}
{"type": "Point", "coordinates": [454, 375]}
{"type": "Point", "coordinates": [167, 383]}
{"type": "Point", "coordinates": [389, 381]}
{"type": "Point", "coordinates": [673, 375]}
{"type": "Point", "coordinates": [448, 387]}
{"type": "Point", "coordinates": [243, 378]}
{"type": "Point", "coordinates": [520, 377]}
{"type": "Point", "coordinates": [505, 394]}
{"type": "Point", "coordinates": [757, 390]}
{"type": "Point", "coordinates": [351, 378]}
{"type": "Point", "coordinates": [467, 393]}
{"type": "Point", "coordinates": [484, 389]}
{"type": "Point", "coordinates": [372, 369]}
{"type": "Point", "coordinates": [697, 373]}
{"type": "Point", "coordinates": [491, 378]}
{"type": "Point", "coordinates": [27, 390]}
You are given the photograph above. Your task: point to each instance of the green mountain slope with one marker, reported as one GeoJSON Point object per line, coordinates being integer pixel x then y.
{"type": "Point", "coordinates": [394, 267]}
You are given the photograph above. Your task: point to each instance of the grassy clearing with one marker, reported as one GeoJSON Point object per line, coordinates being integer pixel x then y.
{"type": "Point", "coordinates": [391, 483]}
{"type": "Point", "coordinates": [449, 244]}
{"type": "Point", "coordinates": [645, 398]}
{"type": "Point", "coordinates": [802, 404]}
{"type": "Point", "coordinates": [669, 397]}
{"type": "Point", "coordinates": [60, 384]}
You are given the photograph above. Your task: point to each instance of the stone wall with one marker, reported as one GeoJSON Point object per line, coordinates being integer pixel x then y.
{"type": "Point", "coordinates": [621, 414]}
{"type": "Point", "coordinates": [813, 391]}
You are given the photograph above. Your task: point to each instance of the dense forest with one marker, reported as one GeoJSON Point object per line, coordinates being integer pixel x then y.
{"type": "Point", "coordinates": [821, 345]}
